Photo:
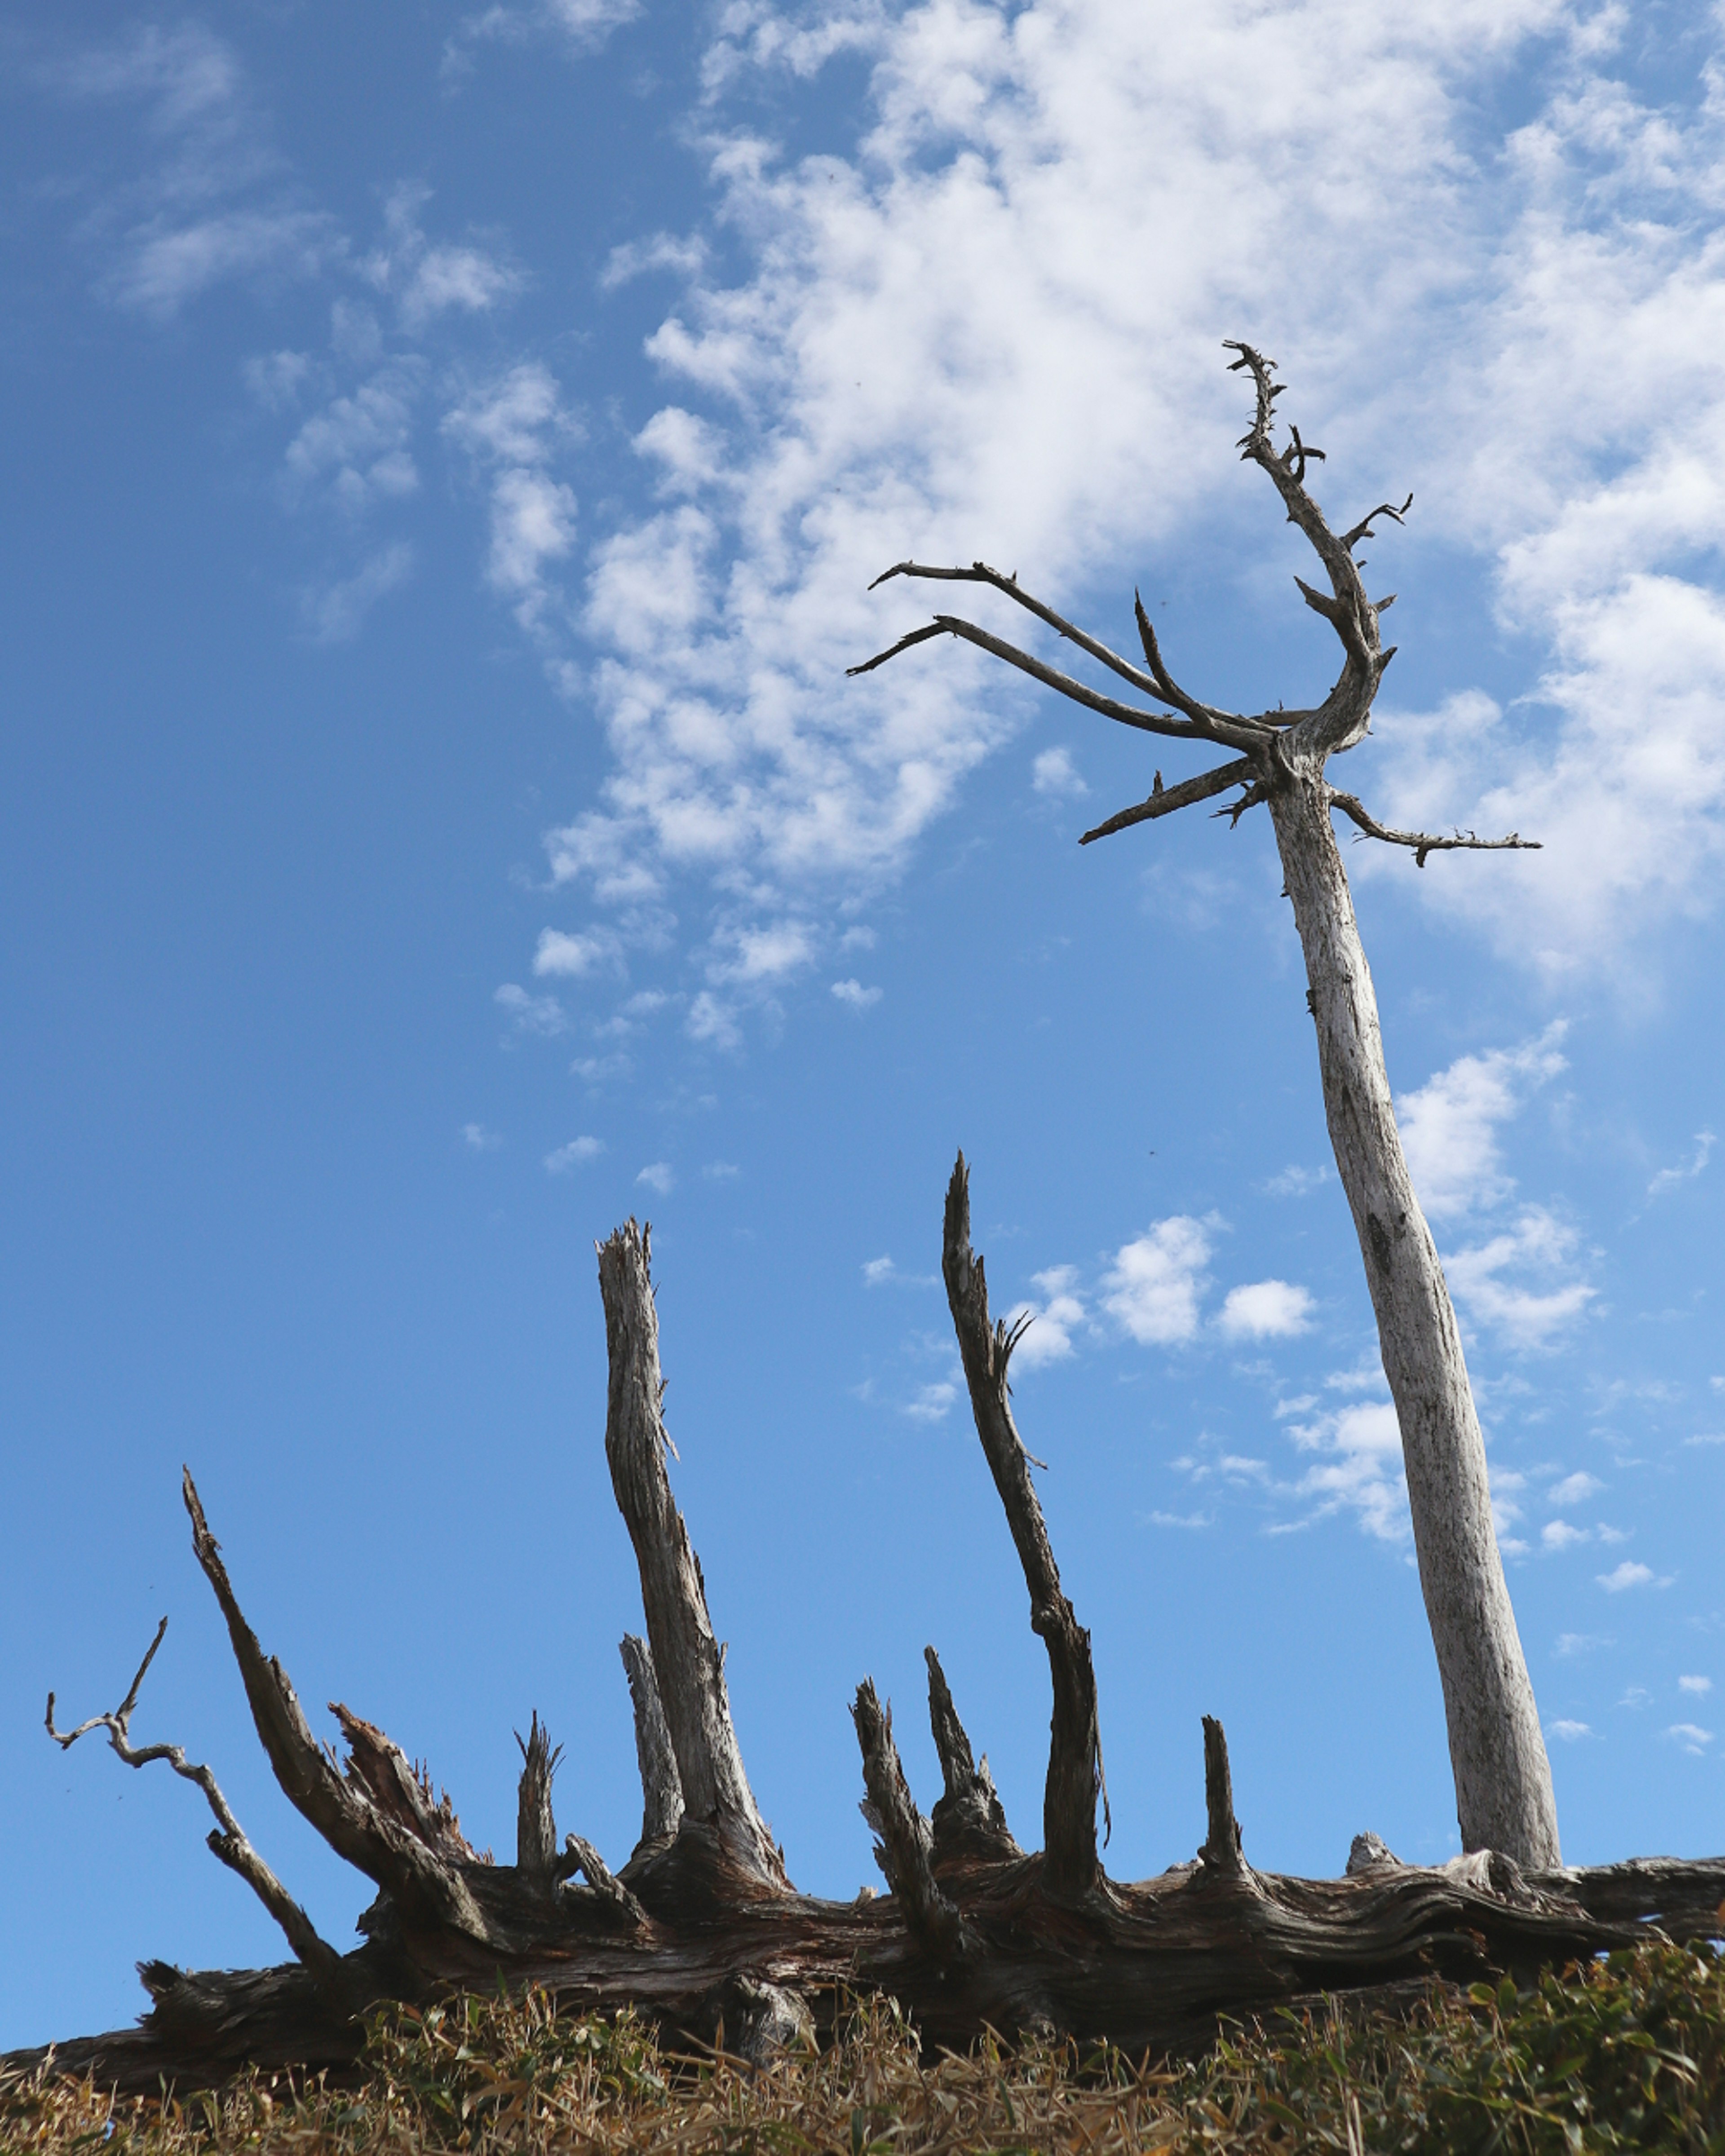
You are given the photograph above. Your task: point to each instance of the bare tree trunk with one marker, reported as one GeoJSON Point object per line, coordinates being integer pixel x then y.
{"type": "Point", "coordinates": [1503, 1789]}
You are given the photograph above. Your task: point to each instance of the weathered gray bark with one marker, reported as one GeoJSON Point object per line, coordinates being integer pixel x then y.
{"type": "Point", "coordinates": [662, 1789]}
{"type": "Point", "coordinates": [975, 1934]}
{"type": "Point", "coordinates": [1503, 1787]}
{"type": "Point", "coordinates": [688, 1662]}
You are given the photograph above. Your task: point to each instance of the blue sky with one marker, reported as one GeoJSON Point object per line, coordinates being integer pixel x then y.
{"type": "Point", "coordinates": [446, 452]}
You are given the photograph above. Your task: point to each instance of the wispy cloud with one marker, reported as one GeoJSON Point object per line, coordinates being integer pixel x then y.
{"type": "Point", "coordinates": [856, 995]}
{"type": "Point", "coordinates": [1483, 1277]}
{"type": "Point", "coordinates": [481, 1140]}
{"type": "Point", "coordinates": [1691, 1736]}
{"type": "Point", "coordinates": [576, 1154]}
{"type": "Point", "coordinates": [1449, 1125]}
{"type": "Point", "coordinates": [1668, 1178]}
{"type": "Point", "coordinates": [1571, 1732]}
{"type": "Point", "coordinates": [659, 1175]}
{"type": "Point", "coordinates": [1053, 772]}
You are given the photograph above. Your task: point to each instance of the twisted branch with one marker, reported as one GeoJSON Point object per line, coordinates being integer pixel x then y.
{"type": "Point", "coordinates": [228, 1842]}
{"type": "Point", "coordinates": [1423, 842]}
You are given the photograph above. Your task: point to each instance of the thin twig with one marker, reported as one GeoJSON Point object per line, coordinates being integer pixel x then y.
{"type": "Point", "coordinates": [1423, 842]}
{"type": "Point", "coordinates": [229, 1842]}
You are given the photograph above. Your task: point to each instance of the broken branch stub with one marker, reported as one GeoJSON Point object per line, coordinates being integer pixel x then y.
{"type": "Point", "coordinates": [906, 1842]}
{"type": "Point", "coordinates": [378, 1816]}
{"type": "Point", "coordinates": [688, 1663]}
{"type": "Point", "coordinates": [969, 1819]}
{"type": "Point", "coordinates": [1075, 1772]}
{"type": "Point", "coordinates": [661, 1791]}
{"type": "Point", "coordinates": [535, 1832]}
{"type": "Point", "coordinates": [975, 1937]}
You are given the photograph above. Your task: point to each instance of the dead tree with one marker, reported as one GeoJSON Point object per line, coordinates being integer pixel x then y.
{"type": "Point", "coordinates": [1503, 1787]}
{"type": "Point", "coordinates": [701, 1929]}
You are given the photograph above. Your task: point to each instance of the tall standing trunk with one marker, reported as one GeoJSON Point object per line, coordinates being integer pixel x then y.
{"type": "Point", "coordinates": [1503, 1790]}
{"type": "Point", "coordinates": [1503, 1787]}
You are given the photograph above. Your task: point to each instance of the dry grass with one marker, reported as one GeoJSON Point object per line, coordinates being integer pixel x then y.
{"type": "Point", "coordinates": [1625, 2054]}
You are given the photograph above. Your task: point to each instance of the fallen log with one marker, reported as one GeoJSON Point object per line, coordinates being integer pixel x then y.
{"type": "Point", "coordinates": [701, 1930]}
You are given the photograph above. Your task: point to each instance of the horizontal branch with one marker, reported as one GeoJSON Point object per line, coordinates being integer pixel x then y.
{"type": "Point", "coordinates": [1423, 843]}
{"type": "Point", "coordinates": [1166, 799]}
{"type": "Point", "coordinates": [230, 1843]}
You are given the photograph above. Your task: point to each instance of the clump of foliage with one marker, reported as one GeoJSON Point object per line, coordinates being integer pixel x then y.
{"type": "Point", "coordinates": [1626, 2053]}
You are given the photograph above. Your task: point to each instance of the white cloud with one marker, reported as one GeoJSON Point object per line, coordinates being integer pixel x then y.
{"type": "Point", "coordinates": [355, 452]}
{"type": "Point", "coordinates": [762, 954]}
{"type": "Point", "coordinates": [721, 1171]}
{"type": "Point", "coordinates": [337, 613]}
{"type": "Point", "coordinates": [1179, 1519]}
{"type": "Point", "coordinates": [1520, 1316]}
{"type": "Point", "coordinates": [1053, 772]}
{"type": "Point", "coordinates": [586, 24]}
{"type": "Point", "coordinates": [479, 1138]}
{"type": "Point", "coordinates": [1361, 1469]}
{"type": "Point", "coordinates": [877, 1272]}
{"type": "Point", "coordinates": [1627, 1574]}
{"type": "Point", "coordinates": [542, 1015]}
{"type": "Point", "coordinates": [1668, 1178]}
{"type": "Point", "coordinates": [713, 1022]}
{"type": "Point", "coordinates": [1692, 1737]}
{"type": "Point", "coordinates": [1574, 1489]}
{"type": "Point", "coordinates": [1559, 1535]}
{"type": "Point", "coordinates": [1538, 364]}
{"type": "Point", "coordinates": [1571, 1732]}
{"type": "Point", "coordinates": [1449, 1125]}
{"type": "Point", "coordinates": [514, 425]}
{"type": "Point", "coordinates": [1700, 1687]}
{"type": "Point", "coordinates": [683, 255]}
{"type": "Point", "coordinates": [573, 957]}
{"type": "Point", "coordinates": [853, 993]}
{"type": "Point", "coordinates": [1054, 1317]}
{"type": "Point", "coordinates": [1153, 1287]}
{"type": "Point", "coordinates": [1297, 1182]}
{"type": "Point", "coordinates": [576, 1154]}
{"type": "Point", "coordinates": [1265, 1310]}
{"type": "Point", "coordinates": [659, 1175]}
{"type": "Point", "coordinates": [170, 264]}
{"type": "Point", "coordinates": [1581, 1643]}
{"type": "Point", "coordinates": [933, 1402]}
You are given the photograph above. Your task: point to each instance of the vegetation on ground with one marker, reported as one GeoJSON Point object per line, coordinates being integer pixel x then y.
{"type": "Point", "coordinates": [1624, 2053]}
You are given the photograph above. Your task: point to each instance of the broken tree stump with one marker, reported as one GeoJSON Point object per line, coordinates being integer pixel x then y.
{"type": "Point", "coordinates": [702, 1929]}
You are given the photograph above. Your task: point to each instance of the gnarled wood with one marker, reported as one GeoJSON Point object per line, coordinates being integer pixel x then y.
{"type": "Point", "coordinates": [975, 1934]}
{"type": "Point", "coordinates": [905, 1846]}
{"type": "Point", "coordinates": [688, 1663]}
{"type": "Point", "coordinates": [969, 1819]}
{"type": "Point", "coordinates": [1075, 1757]}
